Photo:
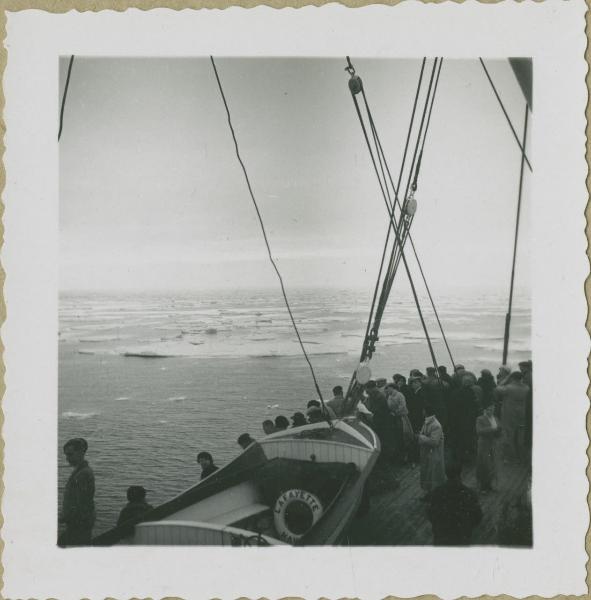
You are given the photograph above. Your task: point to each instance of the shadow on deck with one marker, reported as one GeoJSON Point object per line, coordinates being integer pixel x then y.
{"type": "Point", "coordinates": [397, 517]}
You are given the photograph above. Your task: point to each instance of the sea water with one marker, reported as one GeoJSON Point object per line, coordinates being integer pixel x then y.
{"type": "Point", "coordinates": [152, 379]}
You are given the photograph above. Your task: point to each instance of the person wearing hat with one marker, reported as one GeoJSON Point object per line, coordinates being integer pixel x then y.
{"type": "Point", "coordinates": [136, 504]}
{"type": "Point", "coordinates": [444, 375]}
{"type": "Point", "coordinates": [456, 378]}
{"type": "Point", "coordinates": [432, 451]}
{"type": "Point", "coordinates": [416, 402]}
{"type": "Point", "coordinates": [403, 433]}
{"type": "Point", "coordinates": [415, 373]}
{"type": "Point", "coordinates": [432, 376]}
{"type": "Point", "coordinates": [298, 419]}
{"type": "Point", "coordinates": [513, 399]}
{"type": "Point", "coordinates": [503, 374]}
{"type": "Point", "coordinates": [486, 382]}
{"type": "Point", "coordinates": [382, 421]}
{"type": "Point", "coordinates": [77, 515]}
{"type": "Point", "coordinates": [463, 411]}
{"type": "Point", "coordinates": [438, 392]}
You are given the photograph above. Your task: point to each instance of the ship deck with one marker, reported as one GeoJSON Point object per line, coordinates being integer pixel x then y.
{"type": "Point", "coordinates": [397, 517]}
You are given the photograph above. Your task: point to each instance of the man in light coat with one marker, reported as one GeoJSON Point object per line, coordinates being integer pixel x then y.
{"type": "Point", "coordinates": [513, 397]}
{"type": "Point", "coordinates": [432, 452]}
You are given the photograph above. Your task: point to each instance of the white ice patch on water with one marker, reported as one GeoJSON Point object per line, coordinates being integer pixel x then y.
{"type": "Point", "coordinates": [102, 338]}
{"type": "Point", "coordinates": [71, 414]}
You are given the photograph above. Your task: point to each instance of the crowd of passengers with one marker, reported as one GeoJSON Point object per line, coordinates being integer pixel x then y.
{"type": "Point", "coordinates": [439, 421]}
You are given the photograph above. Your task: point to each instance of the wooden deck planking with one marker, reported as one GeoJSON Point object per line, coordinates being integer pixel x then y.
{"type": "Point", "coordinates": [397, 516]}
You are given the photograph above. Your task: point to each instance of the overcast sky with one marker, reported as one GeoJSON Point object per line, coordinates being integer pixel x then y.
{"type": "Point", "coordinates": [152, 196]}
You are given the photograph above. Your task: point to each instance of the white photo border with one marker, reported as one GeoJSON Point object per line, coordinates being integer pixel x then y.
{"type": "Point", "coordinates": [553, 34]}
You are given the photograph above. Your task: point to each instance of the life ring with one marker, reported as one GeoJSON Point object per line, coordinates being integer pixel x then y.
{"type": "Point", "coordinates": [295, 513]}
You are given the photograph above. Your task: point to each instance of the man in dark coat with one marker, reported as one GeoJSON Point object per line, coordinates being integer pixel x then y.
{"type": "Point", "coordinates": [444, 375]}
{"type": "Point", "coordinates": [417, 399]}
{"type": "Point", "coordinates": [453, 510]}
{"type": "Point", "coordinates": [486, 382]}
{"type": "Point", "coordinates": [437, 391]}
{"type": "Point", "coordinates": [77, 512]}
{"type": "Point", "coordinates": [416, 402]}
{"type": "Point", "coordinates": [456, 378]}
{"type": "Point", "coordinates": [462, 414]}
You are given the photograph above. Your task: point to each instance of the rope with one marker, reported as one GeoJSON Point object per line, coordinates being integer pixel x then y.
{"type": "Point", "coordinates": [522, 148]}
{"type": "Point", "coordinates": [59, 133]}
{"type": "Point", "coordinates": [508, 317]}
{"type": "Point", "coordinates": [394, 266]}
{"type": "Point", "coordinates": [407, 231]}
{"type": "Point", "coordinates": [369, 341]}
{"type": "Point", "coordinates": [381, 155]}
{"type": "Point", "coordinates": [432, 102]}
{"type": "Point", "coordinates": [395, 257]}
{"type": "Point", "coordinates": [364, 350]}
{"type": "Point", "coordinates": [267, 241]}
{"type": "Point", "coordinates": [429, 101]}
{"type": "Point", "coordinates": [395, 224]}
{"type": "Point", "coordinates": [414, 186]}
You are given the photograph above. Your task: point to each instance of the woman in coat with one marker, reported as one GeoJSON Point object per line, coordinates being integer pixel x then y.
{"type": "Point", "coordinates": [488, 432]}
{"type": "Point", "coordinates": [432, 454]}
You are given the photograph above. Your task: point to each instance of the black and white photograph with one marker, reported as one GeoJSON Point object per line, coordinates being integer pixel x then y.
{"type": "Point", "coordinates": [290, 312]}
{"type": "Point", "coordinates": [275, 285]}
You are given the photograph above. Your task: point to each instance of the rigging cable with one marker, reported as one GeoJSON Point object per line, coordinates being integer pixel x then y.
{"type": "Point", "coordinates": [395, 228]}
{"type": "Point", "coordinates": [368, 346]}
{"type": "Point", "coordinates": [429, 101]}
{"type": "Point", "coordinates": [369, 342]}
{"type": "Point", "coordinates": [522, 148]}
{"type": "Point", "coordinates": [394, 261]}
{"type": "Point", "coordinates": [368, 328]}
{"type": "Point", "coordinates": [325, 413]}
{"type": "Point", "coordinates": [508, 316]}
{"type": "Point", "coordinates": [395, 258]}
{"type": "Point", "coordinates": [435, 312]}
{"type": "Point", "coordinates": [59, 133]}
{"type": "Point", "coordinates": [415, 182]}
